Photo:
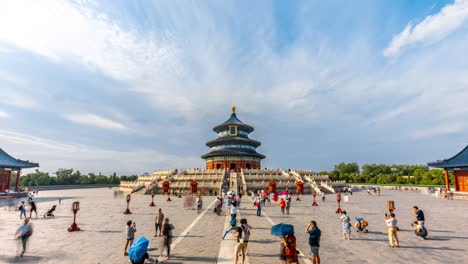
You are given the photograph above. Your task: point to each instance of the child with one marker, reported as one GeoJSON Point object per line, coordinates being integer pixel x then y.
{"type": "Point", "coordinates": [282, 205]}
{"type": "Point", "coordinates": [130, 230]}
{"type": "Point", "coordinates": [22, 209]}
{"type": "Point", "coordinates": [259, 208]}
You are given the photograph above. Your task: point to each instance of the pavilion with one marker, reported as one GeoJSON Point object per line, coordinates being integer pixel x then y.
{"type": "Point", "coordinates": [459, 165]}
{"type": "Point", "coordinates": [233, 149]}
{"type": "Point", "coordinates": [8, 164]}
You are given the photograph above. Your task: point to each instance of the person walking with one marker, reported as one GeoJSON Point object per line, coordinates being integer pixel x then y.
{"type": "Point", "coordinates": [258, 204]}
{"type": "Point", "coordinates": [130, 230]}
{"type": "Point", "coordinates": [22, 209]}
{"type": "Point", "coordinates": [391, 223]}
{"type": "Point", "coordinates": [32, 206]}
{"type": "Point", "coordinates": [167, 237]}
{"type": "Point", "coordinates": [282, 205]}
{"type": "Point", "coordinates": [228, 204]}
{"type": "Point", "coordinates": [323, 197]}
{"type": "Point", "coordinates": [350, 190]}
{"type": "Point", "coordinates": [232, 227]}
{"type": "Point", "coordinates": [288, 204]}
{"type": "Point", "coordinates": [243, 235]}
{"type": "Point", "coordinates": [288, 252]}
{"type": "Point", "coordinates": [419, 215]}
{"type": "Point", "coordinates": [158, 221]}
{"type": "Point", "coordinates": [218, 206]}
{"type": "Point", "coordinates": [233, 209]}
{"type": "Point", "coordinates": [24, 232]}
{"type": "Point", "coordinates": [199, 204]}
{"type": "Point", "coordinates": [314, 241]}
{"type": "Point", "coordinates": [345, 225]}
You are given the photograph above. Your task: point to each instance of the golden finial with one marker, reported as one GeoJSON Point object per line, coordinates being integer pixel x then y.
{"type": "Point", "coordinates": [233, 109]}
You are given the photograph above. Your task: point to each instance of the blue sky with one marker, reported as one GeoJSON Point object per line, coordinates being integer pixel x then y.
{"type": "Point", "coordinates": [134, 86]}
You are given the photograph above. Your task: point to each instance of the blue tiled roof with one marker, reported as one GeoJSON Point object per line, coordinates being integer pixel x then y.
{"type": "Point", "coordinates": [459, 160]}
{"type": "Point", "coordinates": [233, 120]}
{"type": "Point", "coordinates": [7, 161]}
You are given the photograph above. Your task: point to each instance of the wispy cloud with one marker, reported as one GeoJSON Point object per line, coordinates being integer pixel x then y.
{"type": "Point", "coordinates": [432, 29]}
{"type": "Point", "coordinates": [4, 114]}
{"type": "Point", "coordinates": [94, 120]}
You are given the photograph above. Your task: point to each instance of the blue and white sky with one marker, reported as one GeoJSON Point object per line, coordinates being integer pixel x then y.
{"type": "Point", "coordinates": [134, 86]}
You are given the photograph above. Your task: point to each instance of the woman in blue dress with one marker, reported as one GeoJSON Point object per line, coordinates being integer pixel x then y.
{"type": "Point", "coordinates": [346, 225]}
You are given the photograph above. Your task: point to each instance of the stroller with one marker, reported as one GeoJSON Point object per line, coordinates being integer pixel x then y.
{"type": "Point", "coordinates": [50, 212]}
{"type": "Point", "coordinates": [361, 225]}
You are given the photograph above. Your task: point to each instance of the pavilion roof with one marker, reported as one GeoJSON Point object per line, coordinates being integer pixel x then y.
{"type": "Point", "coordinates": [233, 120]}
{"type": "Point", "coordinates": [7, 161]}
{"type": "Point", "coordinates": [459, 160]}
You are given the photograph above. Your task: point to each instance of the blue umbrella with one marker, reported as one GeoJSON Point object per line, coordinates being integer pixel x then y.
{"type": "Point", "coordinates": [282, 230]}
{"type": "Point", "coordinates": [138, 249]}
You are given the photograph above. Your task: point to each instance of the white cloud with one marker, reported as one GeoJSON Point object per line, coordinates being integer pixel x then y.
{"type": "Point", "coordinates": [432, 29]}
{"type": "Point", "coordinates": [4, 114]}
{"type": "Point", "coordinates": [52, 155]}
{"type": "Point", "coordinates": [94, 120]}
{"type": "Point", "coordinates": [62, 30]}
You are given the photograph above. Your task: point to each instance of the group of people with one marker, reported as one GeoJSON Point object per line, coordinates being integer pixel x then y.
{"type": "Point", "coordinates": [161, 225]}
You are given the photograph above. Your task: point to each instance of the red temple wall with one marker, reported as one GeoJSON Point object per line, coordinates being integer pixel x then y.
{"type": "Point", "coordinates": [5, 180]}
{"type": "Point", "coordinates": [461, 180]}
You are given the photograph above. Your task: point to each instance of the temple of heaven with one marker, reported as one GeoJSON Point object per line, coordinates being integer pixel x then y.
{"type": "Point", "coordinates": [233, 149]}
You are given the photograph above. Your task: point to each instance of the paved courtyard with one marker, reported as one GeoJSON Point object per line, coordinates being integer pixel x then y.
{"type": "Point", "coordinates": [197, 237]}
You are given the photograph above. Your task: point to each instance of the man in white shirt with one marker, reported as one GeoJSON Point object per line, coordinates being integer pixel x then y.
{"type": "Point", "coordinates": [23, 232]}
{"type": "Point", "coordinates": [392, 222]}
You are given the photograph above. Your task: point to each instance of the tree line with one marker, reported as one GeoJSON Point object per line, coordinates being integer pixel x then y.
{"type": "Point", "coordinates": [69, 177]}
{"type": "Point", "coordinates": [387, 174]}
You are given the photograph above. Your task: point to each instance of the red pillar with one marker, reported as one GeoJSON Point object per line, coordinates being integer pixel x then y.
{"type": "Point", "coordinates": [8, 180]}
{"type": "Point", "coordinates": [447, 180]}
{"type": "Point", "coordinates": [18, 176]}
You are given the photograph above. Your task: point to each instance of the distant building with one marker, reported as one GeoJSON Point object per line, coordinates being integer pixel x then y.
{"type": "Point", "coordinates": [9, 165]}
{"type": "Point", "coordinates": [233, 149]}
{"type": "Point", "coordinates": [459, 165]}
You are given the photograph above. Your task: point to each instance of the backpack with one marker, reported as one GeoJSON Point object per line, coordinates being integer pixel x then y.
{"type": "Point", "coordinates": [364, 223]}
{"type": "Point", "coordinates": [233, 222]}
{"type": "Point", "coordinates": [290, 248]}
{"type": "Point", "coordinates": [20, 207]}
{"type": "Point", "coordinates": [244, 234]}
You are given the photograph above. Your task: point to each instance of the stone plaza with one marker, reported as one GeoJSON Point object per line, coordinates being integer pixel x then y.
{"type": "Point", "coordinates": [197, 236]}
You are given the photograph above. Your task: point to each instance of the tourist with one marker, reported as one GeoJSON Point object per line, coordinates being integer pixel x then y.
{"type": "Point", "coordinates": [391, 223]}
{"type": "Point", "coordinates": [259, 207]}
{"type": "Point", "coordinates": [232, 227]}
{"type": "Point", "coordinates": [419, 215]}
{"type": "Point", "coordinates": [239, 199]}
{"type": "Point", "coordinates": [167, 237]}
{"type": "Point", "coordinates": [345, 225]}
{"type": "Point", "coordinates": [24, 232]}
{"type": "Point", "coordinates": [130, 230]}
{"type": "Point", "coordinates": [199, 204]}
{"type": "Point", "coordinates": [60, 200]}
{"type": "Point", "coordinates": [158, 221]}
{"type": "Point", "coordinates": [420, 231]}
{"type": "Point", "coordinates": [32, 206]}
{"type": "Point", "coordinates": [288, 251]}
{"type": "Point", "coordinates": [233, 210]}
{"type": "Point", "coordinates": [218, 206]}
{"type": "Point", "coordinates": [282, 205]}
{"type": "Point", "coordinates": [314, 241]}
{"type": "Point", "coordinates": [323, 196]}
{"type": "Point", "coordinates": [22, 209]}
{"type": "Point", "coordinates": [228, 203]}
{"type": "Point", "coordinates": [243, 235]}
{"type": "Point", "coordinates": [288, 204]}
{"type": "Point", "coordinates": [268, 200]}
{"type": "Point", "coordinates": [350, 190]}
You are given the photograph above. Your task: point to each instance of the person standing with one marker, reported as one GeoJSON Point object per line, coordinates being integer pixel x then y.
{"type": "Point", "coordinates": [419, 215]}
{"type": "Point", "coordinates": [32, 209]}
{"type": "Point", "coordinates": [158, 221]}
{"type": "Point", "coordinates": [259, 207]}
{"type": "Point", "coordinates": [22, 209]}
{"type": "Point", "coordinates": [288, 204]}
{"type": "Point", "coordinates": [24, 232]}
{"type": "Point", "coordinates": [130, 230]}
{"type": "Point", "coordinates": [233, 209]}
{"type": "Point", "coordinates": [282, 205]}
{"type": "Point", "coordinates": [218, 206]}
{"type": "Point", "coordinates": [323, 197]}
{"type": "Point", "coordinates": [243, 235]}
{"type": "Point", "coordinates": [345, 225]}
{"type": "Point", "coordinates": [314, 241]}
{"type": "Point", "coordinates": [391, 223]}
{"type": "Point", "coordinates": [199, 204]}
{"type": "Point", "coordinates": [167, 237]}
{"type": "Point", "coordinates": [350, 190]}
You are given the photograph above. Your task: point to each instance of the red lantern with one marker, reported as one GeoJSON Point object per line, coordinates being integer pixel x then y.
{"type": "Point", "coordinates": [75, 209]}
{"type": "Point", "coordinates": [390, 206]}
{"type": "Point", "coordinates": [165, 186]}
{"type": "Point", "coordinates": [152, 199]}
{"type": "Point", "coordinates": [193, 187]}
{"type": "Point", "coordinates": [272, 187]}
{"type": "Point", "coordinates": [300, 187]}
{"type": "Point", "coordinates": [127, 211]}
{"type": "Point", "coordinates": [338, 199]}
